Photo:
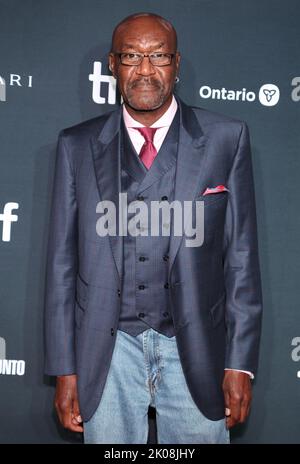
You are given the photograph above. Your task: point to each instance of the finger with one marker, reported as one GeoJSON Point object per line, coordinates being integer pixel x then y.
{"type": "Point", "coordinates": [248, 409]}
{"type": "Point", "coordinates": [76, 420]}
{"type": "Point", "coordinates": [60, 413]}
{"type": "Point", "coordinates": [227, 412]}
{"type": "Point", "coordinates": [227, 409]}
{"type": "Point", "coordinates": [228, 422]}
{"type": "Point", "coordinates": [245, 409]}
{"type": "Point", "coordinates": [226, 399]}
{"type": "Point", "coordinates": [68, 423]}
{"type": "Point", "coordinates": [64, 412]}
{"type": "Point", "coordinates": [76, 417]}
{"type": "Point", "coordinates": [227, 416]}
{"type": "Point", "coordinates": [235, 409]}
{"type": "Point", "coordinates": [75, 428]}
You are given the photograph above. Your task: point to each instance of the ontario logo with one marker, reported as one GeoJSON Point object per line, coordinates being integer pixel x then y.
{"type": "Point", "coordinates": [10, 366]}
{"type": "Point", "coordinates": [268, 94]}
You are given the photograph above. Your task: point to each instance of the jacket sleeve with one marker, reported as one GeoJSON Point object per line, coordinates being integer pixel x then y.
{"type": "Point", "coordinates": [61, 269]}
{"type": "Point", "coordinates": [241, 263]}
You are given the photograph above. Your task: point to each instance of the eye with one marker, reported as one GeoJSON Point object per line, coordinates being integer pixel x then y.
{"type": "Point", "coordinates": [130, 56]}
{"type": "Point", "coordinates": [157, 55]}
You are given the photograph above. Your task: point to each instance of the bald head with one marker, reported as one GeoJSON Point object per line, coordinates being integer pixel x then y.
{"type": "Point", "coordinates": [147, 19]}
{"type": "Point", "coordinates": [145, 61]}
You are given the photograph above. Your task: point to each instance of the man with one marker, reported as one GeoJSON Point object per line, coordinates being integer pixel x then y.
{"type": "Point", "coordinates": [136, 320]}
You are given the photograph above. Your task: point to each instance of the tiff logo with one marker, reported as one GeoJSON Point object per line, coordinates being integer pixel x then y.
{"type": "Point", "coordinates": [97, 78]}
{"type": "Point", "coordinates": [10, 366]}
{"type": "Point", "coordinates": [7, 218]}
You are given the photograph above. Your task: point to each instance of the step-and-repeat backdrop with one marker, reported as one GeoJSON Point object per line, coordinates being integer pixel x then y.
{"type": "Point", "coordinates": [240, 58]}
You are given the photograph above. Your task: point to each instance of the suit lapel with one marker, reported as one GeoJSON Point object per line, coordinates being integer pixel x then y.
{"type": "Point", "coordinates": [190, 169]}
{"type": "Point", "coordinates": [191, 158]}
{"type": "Point", "coordinates": [107, 165]}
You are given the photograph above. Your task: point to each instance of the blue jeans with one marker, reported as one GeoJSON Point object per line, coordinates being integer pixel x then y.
{"type": "Point", "coordinates": [146, 371]}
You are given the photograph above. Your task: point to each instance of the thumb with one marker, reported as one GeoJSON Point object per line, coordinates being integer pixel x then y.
{"type": "Point", "coordinates": [227, 404]}
{"type": "Point", "coordinates": [227, 412]}
{"type": "Point", "coordinates": [76, 416]}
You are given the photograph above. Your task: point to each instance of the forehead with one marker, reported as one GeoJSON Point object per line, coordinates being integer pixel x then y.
{"type": "Point", "coordinates": [143, 33]}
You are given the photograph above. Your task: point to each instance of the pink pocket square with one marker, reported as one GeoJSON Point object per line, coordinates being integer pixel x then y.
{"type": "Point", "coordinates": [217, 189]}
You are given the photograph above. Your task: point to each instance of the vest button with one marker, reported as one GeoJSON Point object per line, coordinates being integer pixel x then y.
{"type": "Point", "coordinates": [165, 257]}
{"type": "Point", "coordinates": [142, 258]}
{"type": "Point", "coordinates": [141, 314]}
{"type": "Point", "coordinates": [165, 314]}
{"type": "Point", "coordinates": [140, 198]}
{"type": "Point", "coordinates": [164, 198]}
{"type": "Point", "coordinates": [141, 287]}
{"type": "Point", "coordinates": [119, 292]}
{"type": "Point", "coordinates": [112, 331]}
{"type": "Point", "coordinates": [166, 285]}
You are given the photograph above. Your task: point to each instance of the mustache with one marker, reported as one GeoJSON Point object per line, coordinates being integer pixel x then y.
{"type": "Point", "coordinates": [144, 82]}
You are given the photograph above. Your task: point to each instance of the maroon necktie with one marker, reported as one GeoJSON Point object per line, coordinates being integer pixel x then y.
{"type": "Point", "coordinates": [148, 151]}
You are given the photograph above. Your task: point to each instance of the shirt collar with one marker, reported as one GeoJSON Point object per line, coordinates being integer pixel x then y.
{"type": "Point", "coordinates": [164, 121]}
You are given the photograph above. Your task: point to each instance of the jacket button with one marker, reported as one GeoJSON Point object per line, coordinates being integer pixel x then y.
{"type": "Point", "coordinates": [165, 314]}
{"type": "Point", "coordinates": [165, 257]}
{"type": "Point", "coordinates": [140, 198]}
{"type": "Point", "coordinates": [142, 258]}
{"type": "Point", "coordinates": [166, 285]}
{"type": "Point", "coordinates": [164, 198]}
{"type": "Point", "coordinates": [141, 287]}
{"type": "Point", "coordinates": [141, 314]}
{"type": "Point", "coordinates": [112, 331]}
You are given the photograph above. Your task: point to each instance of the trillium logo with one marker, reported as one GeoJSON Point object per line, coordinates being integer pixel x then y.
{"type": "Point", "coordinates": [269, 95]}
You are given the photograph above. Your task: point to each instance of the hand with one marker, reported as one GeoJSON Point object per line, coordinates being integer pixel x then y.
{"type": "Point", "coordinates": [238, 393]}
{"type": "Point", "coordinates": [66, 403]}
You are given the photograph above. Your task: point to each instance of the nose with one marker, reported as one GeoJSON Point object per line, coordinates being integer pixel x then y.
{"type": "Point", "coordinates": [145, 68]}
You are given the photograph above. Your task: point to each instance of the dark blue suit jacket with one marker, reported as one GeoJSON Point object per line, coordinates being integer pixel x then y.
{"type": "Point", "coordinates": [215, 289]}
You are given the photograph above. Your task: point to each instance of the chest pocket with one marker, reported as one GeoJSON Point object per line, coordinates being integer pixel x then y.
{"type": "Point", "coordinates": [212, 198]}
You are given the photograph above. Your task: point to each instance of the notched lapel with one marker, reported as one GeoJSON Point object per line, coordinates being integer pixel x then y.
{"type": "Point", "coordinates": [191, 161]}
{"type": "Point", "coordinates": [190, 169]}
{"type": "Point", "coordinates": [106, 158]}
